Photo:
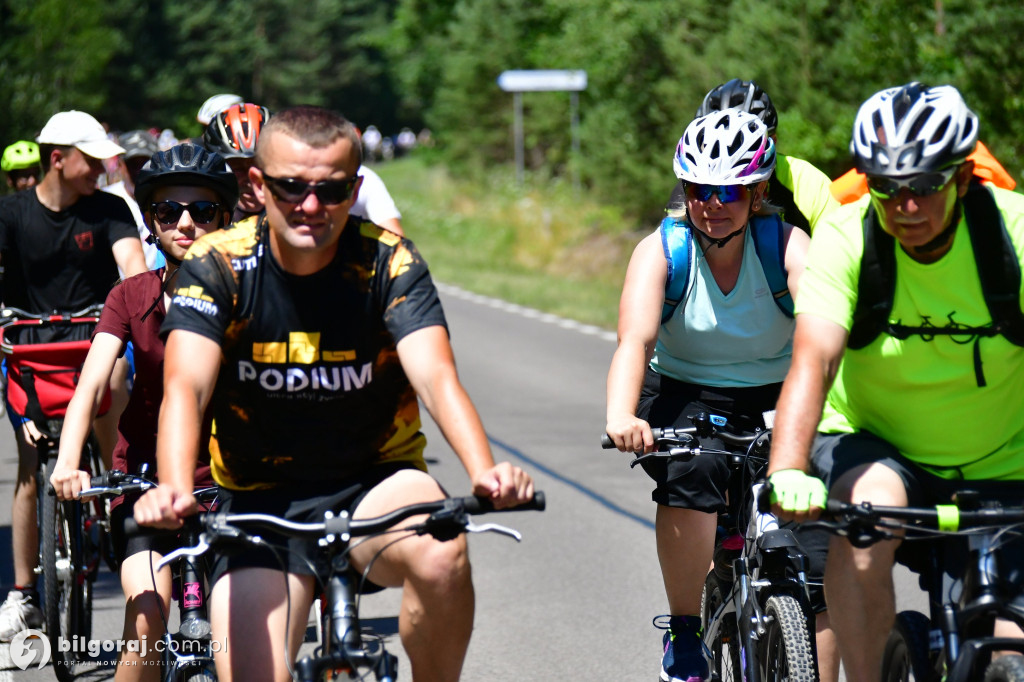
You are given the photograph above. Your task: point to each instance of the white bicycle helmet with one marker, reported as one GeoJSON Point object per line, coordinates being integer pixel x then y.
{"type": "Point", "coordinates": [728, 147]}
{"type": "Point", "coordinates": [913, 129]}
{"type": "Point", "coordinates": [215, 105]}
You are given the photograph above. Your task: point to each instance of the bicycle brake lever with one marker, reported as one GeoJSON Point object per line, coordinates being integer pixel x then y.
{"type": "Point", "coordinates": [494, 528]}
{"type": "Point", "coordinates": [198, 550]}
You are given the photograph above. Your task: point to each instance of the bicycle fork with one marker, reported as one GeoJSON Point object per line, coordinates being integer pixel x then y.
{"type": "Point", "coordinates": [343, 646]}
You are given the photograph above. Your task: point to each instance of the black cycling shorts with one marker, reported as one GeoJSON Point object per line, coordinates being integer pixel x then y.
{"type": "Point", "coordinates": [833, 455]}
{"type": "Point", "coordinates": [303, 503]}
{"type": "Point", "coordinates": [702, 483]}
{"type": "Point", "coordinates": [148, 539]}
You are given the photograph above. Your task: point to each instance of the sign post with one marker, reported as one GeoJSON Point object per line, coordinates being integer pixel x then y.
{"type": "Point", "coordinates": [545, 80]}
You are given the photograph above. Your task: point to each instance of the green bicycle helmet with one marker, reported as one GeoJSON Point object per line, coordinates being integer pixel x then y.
{"type": "Point", "coordinates": [20, 155]}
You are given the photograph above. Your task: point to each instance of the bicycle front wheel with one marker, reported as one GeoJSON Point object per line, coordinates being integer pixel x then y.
{"type": "Point", "coordinates": [58, 573]}
{"type": "Point", "coordinates": [1005, 669]}
{"type": "Point", "coordinates": [905, 658]}
{"type": "Point", "coordinates": [786, 652]}
{"type": "Point", "coordinates": [724, 639]}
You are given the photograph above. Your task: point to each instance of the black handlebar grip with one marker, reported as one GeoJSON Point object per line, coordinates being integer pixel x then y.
{"type": "Point", "coordinates": [99, 481]}
{"type": "Point", "coordinates": [835, 507]}
{"type": "Point", "coordinates": [132, 527]}
{"type": "Point", "coordinates": [608, 444]}
{"type": "Point", "coordinates": [481, 505]}
{"type": "Point", "coordinates": [764, 498]}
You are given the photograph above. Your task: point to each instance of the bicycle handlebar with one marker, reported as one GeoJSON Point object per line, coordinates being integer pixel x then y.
{"type": "Point", "coordinates": [705, 427]}
{"type": "Point", "coordinates": [446, 519]}
{"type": "Point", "coordinates": [342, 524]}
{"type": "Point", "coordinates": [9, 315]}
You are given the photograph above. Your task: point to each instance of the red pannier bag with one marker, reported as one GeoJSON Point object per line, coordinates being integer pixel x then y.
{"type": "Point", "coordinates": [44, 362]}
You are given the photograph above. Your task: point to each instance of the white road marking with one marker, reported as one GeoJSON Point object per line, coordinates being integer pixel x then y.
{"type": "Point", "coordinates": [515, 309]}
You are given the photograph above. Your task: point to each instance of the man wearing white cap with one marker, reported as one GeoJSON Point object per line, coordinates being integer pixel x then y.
{"type": "Point", "coordinates": [60, 245]}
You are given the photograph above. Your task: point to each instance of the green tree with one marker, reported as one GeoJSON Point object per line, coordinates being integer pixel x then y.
{"type": "Point", "coordinates": [53, 57]}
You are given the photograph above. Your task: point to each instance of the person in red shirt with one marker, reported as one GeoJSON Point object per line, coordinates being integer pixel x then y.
{"type": "Point", "coordinates": [184, 193]}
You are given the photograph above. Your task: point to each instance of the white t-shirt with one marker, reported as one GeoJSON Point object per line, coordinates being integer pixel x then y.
{"type": "Point", "coordinates": [374, 203]}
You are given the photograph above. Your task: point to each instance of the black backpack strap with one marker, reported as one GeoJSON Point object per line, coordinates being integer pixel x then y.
{"type": "Point", "coordinates": [876, 284]}
{"type": "Point", "coordinates": [33, 409]}
{"type": "Point", "coordinates": [996, 260]}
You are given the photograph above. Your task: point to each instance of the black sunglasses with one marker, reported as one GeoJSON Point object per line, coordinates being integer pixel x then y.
{"type": "Point", "coordinates": [922, 185]}
{"type": "Point", "coordinates": [328, 192]}
{"type": "Point", "coordinates": [169, 212]}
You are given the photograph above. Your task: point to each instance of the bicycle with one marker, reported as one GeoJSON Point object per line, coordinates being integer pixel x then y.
{"type": "Point", "coordinates": [347, 650]}
{"type": "Point", "coordinates": [186, 655]}
{"type": "Point", "coordinates": [757, 622]}
{"type": "Point", "coordinates": [954, 642]}
{"type": "Point", "coordinates": [44, 354]}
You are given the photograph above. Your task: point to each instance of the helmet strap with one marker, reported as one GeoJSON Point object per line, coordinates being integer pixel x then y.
{"type": "Point", "coordinates": [943, 238]}
{"type": "Point", "coordinates": [707, 240]}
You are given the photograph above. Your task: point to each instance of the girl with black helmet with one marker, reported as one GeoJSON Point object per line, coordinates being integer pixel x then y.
{"type": "Point", "coordinates": [184, 193]}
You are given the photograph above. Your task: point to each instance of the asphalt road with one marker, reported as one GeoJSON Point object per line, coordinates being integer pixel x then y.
{"type": "Point", "coordinates": [575, 599]}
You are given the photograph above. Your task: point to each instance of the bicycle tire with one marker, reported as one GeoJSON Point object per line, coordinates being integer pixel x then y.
{"type": "Point", "coordinates": [725, 663]}
{"type": "Point", "coordinates": [203, 675]}
{"type": "Point", "coordinates": [1005, 669]}
{"type": "Point", "coordinates": [905, 657]}
{"type": "Point", "coordinates": [786, 651]}
{"type": "Point", "coordinates": [99, 510]}
{"type": "Point", "coordinates": [55, 553]}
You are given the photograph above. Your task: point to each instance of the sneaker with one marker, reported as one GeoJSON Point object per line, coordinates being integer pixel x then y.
{"type": "Point", "coordinates": [683, 658]}
{"type": "Point", "coordinates": [18, 613]}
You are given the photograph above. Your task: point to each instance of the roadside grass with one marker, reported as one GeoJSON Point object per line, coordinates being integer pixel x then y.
{"type": "Point", "coordinates": [543, 245]}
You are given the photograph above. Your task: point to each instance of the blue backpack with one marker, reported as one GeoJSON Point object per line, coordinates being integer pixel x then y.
{"type": "Point", "coordinates": [769, 243]}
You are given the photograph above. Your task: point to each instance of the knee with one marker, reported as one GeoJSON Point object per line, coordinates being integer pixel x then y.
{"type": "Point", "coordinates": [442, 565]}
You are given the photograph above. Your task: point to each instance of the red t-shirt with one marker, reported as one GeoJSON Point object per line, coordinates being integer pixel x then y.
{"type": "Point", "coordinates": [122, 316]}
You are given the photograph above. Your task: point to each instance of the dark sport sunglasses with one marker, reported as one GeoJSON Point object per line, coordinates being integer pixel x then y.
{"type": "Point", "coordinates": [169, 212]}
{"type": "Point", "coordinates": [328, 192]}
{"type": "Point", "coordinates": [726, 193]}
{"type": "Point", "coordinates": [922, 185]}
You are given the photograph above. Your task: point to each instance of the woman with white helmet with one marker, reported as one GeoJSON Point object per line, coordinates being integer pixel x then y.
{"type": "Point", "coordinates": [724, 348]}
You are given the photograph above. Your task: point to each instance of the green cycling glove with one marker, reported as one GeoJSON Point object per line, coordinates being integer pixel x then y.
{"type": "Point", "coordinates": [795, 491]}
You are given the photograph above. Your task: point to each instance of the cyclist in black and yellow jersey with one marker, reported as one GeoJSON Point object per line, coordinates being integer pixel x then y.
{"type": "Point", "coordinates": [797, 188]}
{"type": "Point", "coordinates": [319, 330]}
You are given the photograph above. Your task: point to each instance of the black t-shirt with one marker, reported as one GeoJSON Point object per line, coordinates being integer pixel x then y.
{"type": "Point", "coordinates": [61, 261]}
{"type": "Point", "coordinates": [310, 389]}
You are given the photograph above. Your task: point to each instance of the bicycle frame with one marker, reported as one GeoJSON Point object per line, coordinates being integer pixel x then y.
{"type": "Point", "coordinates": [960, 640]}
{"type": "Point", "coordinates": [344, 649]}
{"type": "Point", "coordinates": [343, 643]}
{"type": "Point", "coordinates": [959, 625]}
{"type": "Point", "coordinates": [771, 564]}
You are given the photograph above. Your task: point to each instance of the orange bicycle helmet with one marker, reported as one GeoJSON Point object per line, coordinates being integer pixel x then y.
{"type": "Point", "coordinates": [233, 132]}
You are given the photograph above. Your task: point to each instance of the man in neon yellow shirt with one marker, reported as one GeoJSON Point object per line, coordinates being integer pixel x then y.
{"type": "Point", "coordinates": [881, 404]}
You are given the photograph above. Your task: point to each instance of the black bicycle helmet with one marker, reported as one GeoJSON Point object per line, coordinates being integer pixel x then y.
{"type": "Point", "coordinates": [187, 164]}
{"type": "Point", "coordinates": [138, 143]}
{"type": "Point", "coordinates": [233, 132]}
{"type": "Point", "coordinates": [913, 129]}
{"type": "Point", "coordinates": [743, 95]}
